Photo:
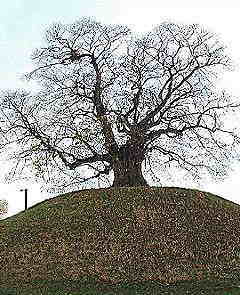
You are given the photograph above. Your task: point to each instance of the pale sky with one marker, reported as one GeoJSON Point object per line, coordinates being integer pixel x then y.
{"type": "Point", "coordinates": [23, 22]}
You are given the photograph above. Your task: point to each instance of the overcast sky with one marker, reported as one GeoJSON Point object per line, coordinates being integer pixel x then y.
{"type": "Point", "coordinates": [23, 22]}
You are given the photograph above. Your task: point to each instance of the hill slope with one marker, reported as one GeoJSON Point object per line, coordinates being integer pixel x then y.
{"type": "Point", "coordinates": [121, 235]}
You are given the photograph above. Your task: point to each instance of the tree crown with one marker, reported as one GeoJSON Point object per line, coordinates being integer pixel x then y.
{"type": "Point", "coordinates": [106, 92]}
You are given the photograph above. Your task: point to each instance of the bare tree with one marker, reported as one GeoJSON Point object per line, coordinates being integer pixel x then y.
{"type": "Point", "coordinates": [3, 208]}
{"type": "Point", "coordinates": [113, 101]}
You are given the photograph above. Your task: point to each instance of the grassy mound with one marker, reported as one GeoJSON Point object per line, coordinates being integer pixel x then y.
{"type": "Point", "coordinates": [122, 235]}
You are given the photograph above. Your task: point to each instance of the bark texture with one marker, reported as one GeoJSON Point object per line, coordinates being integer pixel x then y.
{"type": "Point", "coordinates": [127, 167]}
{"type": "Point", "coordinates": [128, 173]}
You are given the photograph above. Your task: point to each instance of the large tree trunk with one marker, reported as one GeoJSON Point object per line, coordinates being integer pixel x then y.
{"type": "Point", "coordinates": [128, 174]}
{"type": "Point", "coordinates": [127, 168]}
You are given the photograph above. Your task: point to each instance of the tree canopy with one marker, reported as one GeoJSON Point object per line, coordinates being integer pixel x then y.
{"type": "Point", "coordinates": [114, 106]}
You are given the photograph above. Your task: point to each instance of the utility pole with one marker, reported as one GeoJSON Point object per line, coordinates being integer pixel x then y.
{"type": "Point", "coordinates": [25, 193]}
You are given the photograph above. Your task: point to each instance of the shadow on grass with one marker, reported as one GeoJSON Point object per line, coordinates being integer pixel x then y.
{"type": "Point", "coordinates": [91, 287]}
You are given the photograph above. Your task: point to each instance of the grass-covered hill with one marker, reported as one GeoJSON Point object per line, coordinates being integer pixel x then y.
{"type": "Point", "coordinates": [122, 235]}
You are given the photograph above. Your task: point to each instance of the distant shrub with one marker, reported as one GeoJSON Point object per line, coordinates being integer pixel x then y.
{"type": "Point", "coordinates": [3, 208]}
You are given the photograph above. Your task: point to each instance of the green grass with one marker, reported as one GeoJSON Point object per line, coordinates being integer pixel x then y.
{"type": "Point", "coordinates": [86, 223]}
{"type": "Point", "coordinates": [83, 287]}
